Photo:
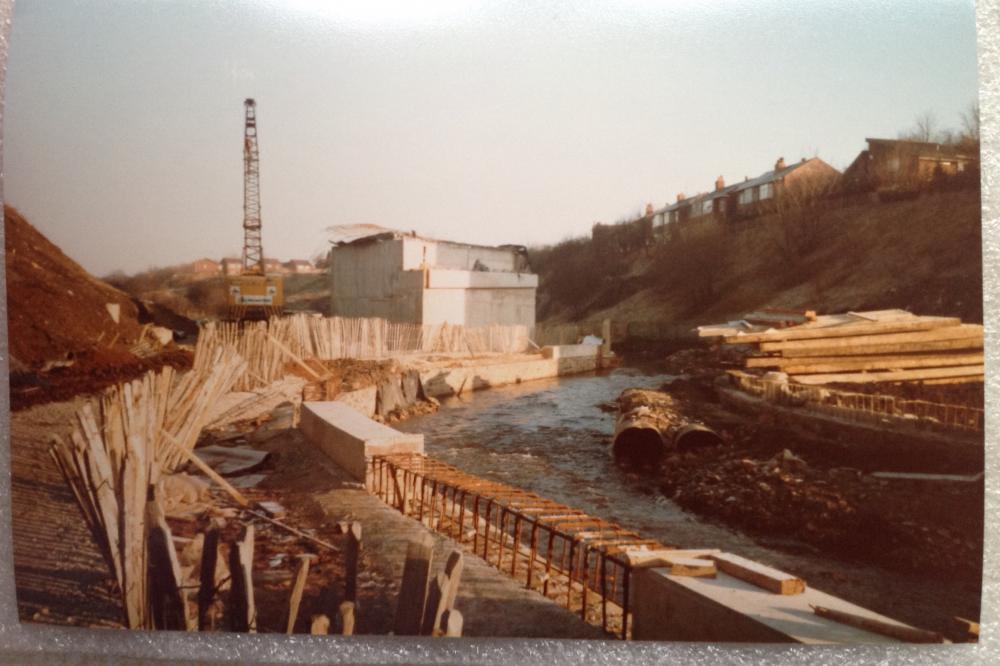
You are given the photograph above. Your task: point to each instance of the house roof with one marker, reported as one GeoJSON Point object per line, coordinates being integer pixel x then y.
{"type": "Point", "coordinates": [771, 176]}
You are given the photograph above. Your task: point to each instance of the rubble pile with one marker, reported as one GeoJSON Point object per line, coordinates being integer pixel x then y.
{"type": "Point", "coordinates": [839, 509]}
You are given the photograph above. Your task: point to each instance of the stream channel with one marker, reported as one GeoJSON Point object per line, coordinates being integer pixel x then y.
{"type": "Point", "coordinates": [552, 438]}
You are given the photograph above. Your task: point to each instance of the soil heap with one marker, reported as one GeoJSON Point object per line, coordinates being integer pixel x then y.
{"type": "Point", "coordinates": [63, 338]}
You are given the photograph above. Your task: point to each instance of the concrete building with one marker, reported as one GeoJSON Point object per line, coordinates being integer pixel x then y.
{"type": "Point", "coordinates": [379, 272]}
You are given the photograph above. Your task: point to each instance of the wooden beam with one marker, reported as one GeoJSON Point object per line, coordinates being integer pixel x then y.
{"type": "Point", "coordinates": [809, 364]}
{"type": "Point", "coordinates": [845, 330]}
{"type": "Point", "coordinates": [891, 376]}
{"type": "Point", "coordinates": [690, 566]}
{"type": "Point", "coordinates": [965, 331]}
{"type": "Point", "coordinates": [971, 343]}
{"type": "Point", "coordinates": [208, 471]}
{"type": "Point", "coordinates": [646, 559]}
{"type": "Point", "coordinates": [758, 574]}
{"type": "Point", "coordinates": [901, 632]}
{"type": "Point", "coordinates": [413, 588]}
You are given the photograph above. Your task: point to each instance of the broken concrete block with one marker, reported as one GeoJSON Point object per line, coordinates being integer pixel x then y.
{"type": "Point", "coordinates": [350, 439]}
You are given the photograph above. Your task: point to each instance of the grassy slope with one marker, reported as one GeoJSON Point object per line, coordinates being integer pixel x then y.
{"type": "Point", "coordinates": [923, 255]}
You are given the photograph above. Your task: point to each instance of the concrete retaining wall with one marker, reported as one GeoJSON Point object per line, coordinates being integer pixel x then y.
{"type": "Point", "coordinates": [553, 362]}
{"type": "Point", "coordinates": [350, 439]}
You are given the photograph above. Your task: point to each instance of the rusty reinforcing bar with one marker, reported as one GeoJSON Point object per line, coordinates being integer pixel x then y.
{"type": "Point", "coordinates": [556, 550]}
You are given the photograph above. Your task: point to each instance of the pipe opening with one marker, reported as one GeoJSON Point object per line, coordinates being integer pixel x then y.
{"type": "Point", "coordinates": [639, 446]}
{"type": "Point", "coordinates": [695, 436]}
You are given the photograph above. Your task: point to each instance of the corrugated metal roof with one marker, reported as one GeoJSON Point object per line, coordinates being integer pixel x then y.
{"type": "Point", "coordinates": [348, 233]}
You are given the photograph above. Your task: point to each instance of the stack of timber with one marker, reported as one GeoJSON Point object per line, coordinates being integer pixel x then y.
{"type": "Point", "coordinates": [870, 347]}
{"type": "Point", "coordinates": [113, 462]}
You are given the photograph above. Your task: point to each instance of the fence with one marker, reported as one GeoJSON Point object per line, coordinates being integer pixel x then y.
{"type": "Point", "coordinates": [560, 552]}
{"type": "Point", "coordinates": [863, 406]}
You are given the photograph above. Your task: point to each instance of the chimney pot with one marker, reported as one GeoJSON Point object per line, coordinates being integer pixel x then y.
{"type": "Point", "coordinates": [719, 184]}
{"type": "Point", "coordinates": [780, 164]}
{"type": "Point", "coordinates": [649, 209]}
{"type": "Point", "coordinates": [680, 196]}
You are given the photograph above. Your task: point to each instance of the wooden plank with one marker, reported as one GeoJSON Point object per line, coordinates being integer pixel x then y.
{"type": "Point", "coordinates": [206, 587]}
{"type": "Point", "coordinates": [168, 606]}
{"type": "Point", "coordinates": [972, 343]}
{"type": "Point", "coordinates": [351, 555]}
{"type": "Point", "coordinates": [806, 332]}
{"type": "Point", "coordinates": [758, 574]}
{"type": "Point", "coordinates": [809, 364]}
{"type": "Point", "coordinates": [972, 379]}
{"type": "Point", "coordinates": [690, 566]}
{"type": "Point", "coordinates": [840, 342]}
{"type": "Point", "coordinates": [300, 585]}
{"type": "Point", "coordinates": [968, 629]}
{"type": "Point", "coordinates": [891, 376]}
{"type": "Point", "coordinates": [434, 607]}
{"type": "Point", "coordinates": [453, 569]}
{"type": "Point", "coordinates": [899, 631]}
{"type": "Point", "coordinates": [242, 612]}
{"type": "Point", "coordinates": [413, 587]}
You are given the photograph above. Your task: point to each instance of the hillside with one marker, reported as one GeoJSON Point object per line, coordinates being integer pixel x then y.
{"type": "Point", "coordinates": [55, 308]}
{"type": "Point", "coordinates": [922, 254]}
{"type": "Point", "coordinates": [63, 338]}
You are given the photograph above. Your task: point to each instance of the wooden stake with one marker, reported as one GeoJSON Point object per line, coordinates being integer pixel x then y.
{"type": "Point", "coordinates": [346, 611]}
{"type": "Point", "coordinates": [320, 625]}
{"type": "Point", "coordinates": [297, 589]}
{"type": "Point", "coordinates": [413, 588]}
{"type": "Point", "coordinates": [206, 588]}
{"type": "Point", "coordinates": [242, 612]}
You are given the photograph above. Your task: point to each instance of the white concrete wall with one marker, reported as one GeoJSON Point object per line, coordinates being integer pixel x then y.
{"type": "Point", "coordinates": [366, 280]}
{"type": "Point", "coordinates": [479, 307]}
{"type": "Point", "coordinates": [387, 279]}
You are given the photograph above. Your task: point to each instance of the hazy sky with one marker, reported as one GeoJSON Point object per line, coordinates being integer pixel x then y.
{"type": "Point", "coordinates": [490, 122]}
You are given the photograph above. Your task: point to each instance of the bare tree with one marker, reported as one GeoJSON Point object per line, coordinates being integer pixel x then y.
{"type": "Point", "coordinates": [970, 125]}
{"type": "Point", "coordinates": [924, 129]}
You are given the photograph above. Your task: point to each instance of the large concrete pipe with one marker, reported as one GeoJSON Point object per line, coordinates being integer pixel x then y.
{"type": "Point", "coordinates": [650, 425]}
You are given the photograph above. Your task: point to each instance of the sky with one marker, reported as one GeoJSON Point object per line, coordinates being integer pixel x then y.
{"type": "Point", "coordinates": [483, 122]}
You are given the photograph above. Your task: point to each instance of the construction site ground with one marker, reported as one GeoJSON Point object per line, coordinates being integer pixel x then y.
{"type": "Point", "coordinates": [63, 579]}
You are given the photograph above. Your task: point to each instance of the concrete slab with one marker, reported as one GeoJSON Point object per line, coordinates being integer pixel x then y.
{"type": "Point", "coordinates": [682, 608]}
{"type": "Point", "coordinates": [350, 438]}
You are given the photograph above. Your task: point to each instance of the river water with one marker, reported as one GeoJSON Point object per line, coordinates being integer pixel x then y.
{"type": "Point", "coordinates": [551, 437]}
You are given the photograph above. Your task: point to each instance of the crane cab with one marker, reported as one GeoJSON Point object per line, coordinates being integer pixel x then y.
{"type": "Point", "coordinates": [254, 297]}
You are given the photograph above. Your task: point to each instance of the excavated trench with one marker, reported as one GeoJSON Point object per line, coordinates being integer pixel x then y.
{"type": "Point", "coordinates": [554, 438]}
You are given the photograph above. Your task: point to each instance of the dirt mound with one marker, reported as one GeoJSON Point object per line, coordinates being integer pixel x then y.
{"type": "Point", "coordinates": [55, 309]}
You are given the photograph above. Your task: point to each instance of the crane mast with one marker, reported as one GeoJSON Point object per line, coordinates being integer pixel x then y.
{"type": "Point", "coordinates": [253, 253]}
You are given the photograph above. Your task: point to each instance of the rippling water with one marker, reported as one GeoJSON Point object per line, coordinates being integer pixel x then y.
{"type": "Point", "coordinates": [552, 438]}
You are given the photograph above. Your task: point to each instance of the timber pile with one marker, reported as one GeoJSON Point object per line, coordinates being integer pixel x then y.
{"type": "Point", "coordinates": [269, 346]}
{"type": "Point", "coordinates": [869, 347]}
{"type": "Point", "coordinates": [113, 462]}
